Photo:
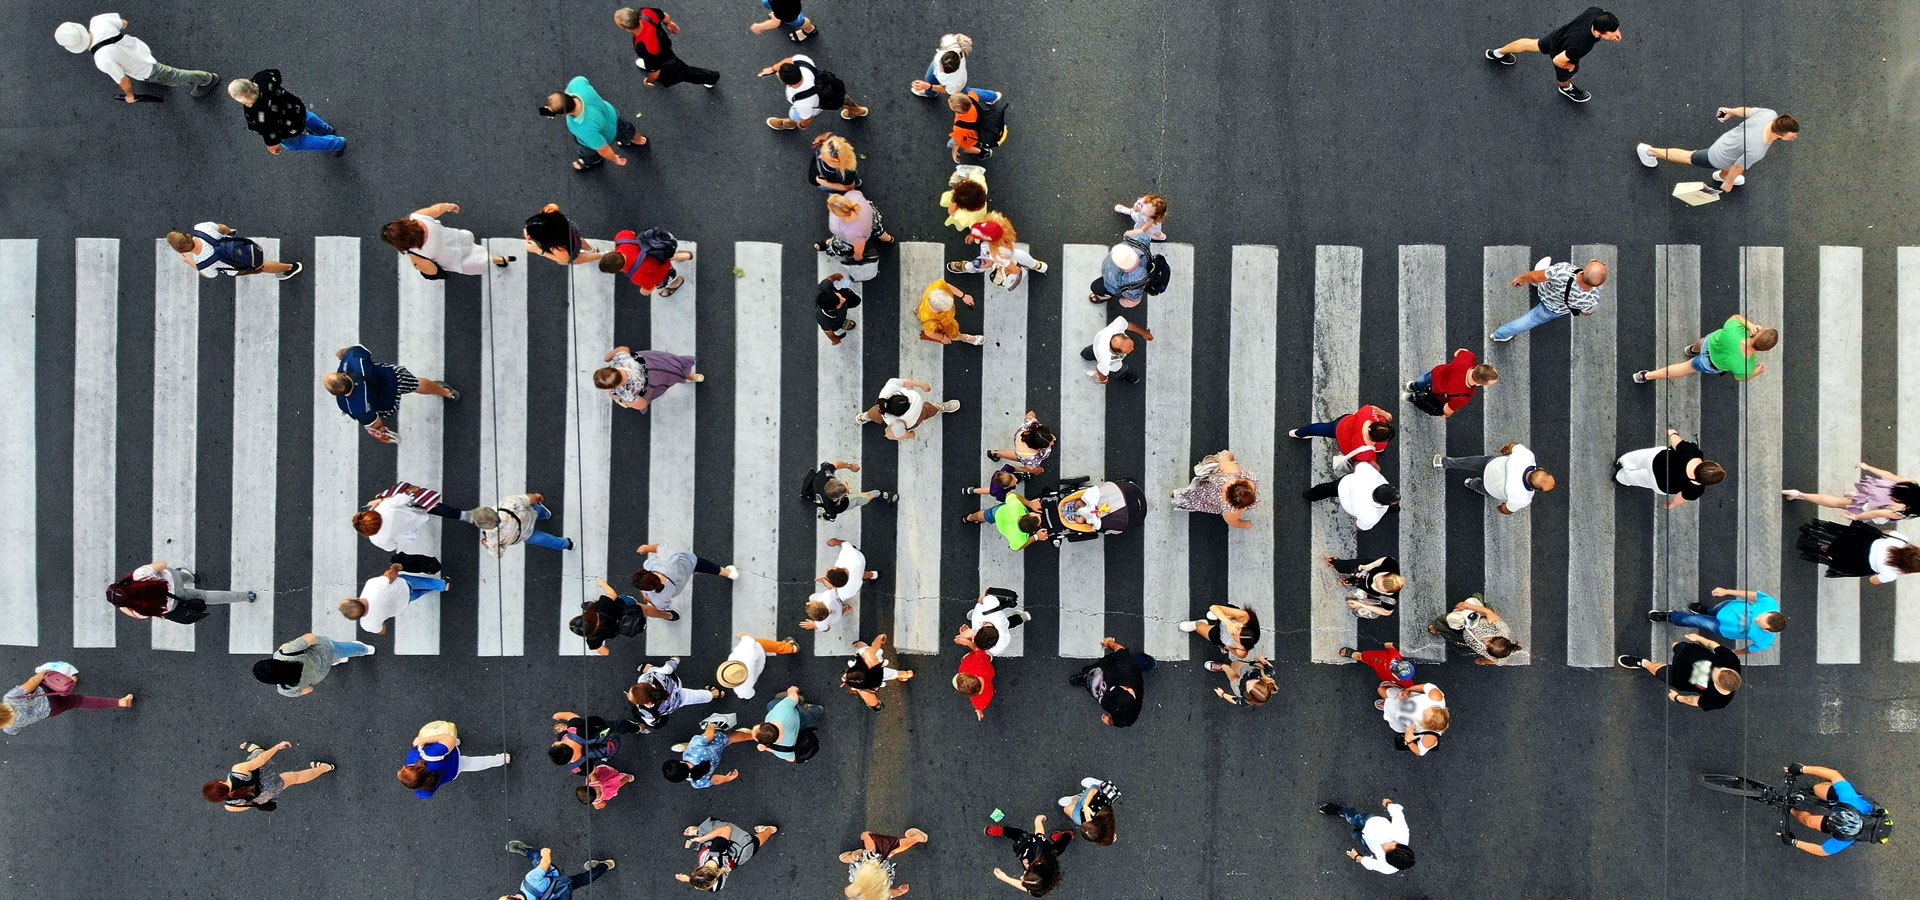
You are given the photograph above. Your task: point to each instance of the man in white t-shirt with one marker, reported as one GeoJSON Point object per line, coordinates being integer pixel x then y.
{"type": "Point", "coordinates": [387, 595]}
{"type": "Point", "coordinates": [840, 584]}
{"type": "Point", "coordinates": [801, 76]}
{"type": "Point", "coordinates": [1384, 838]}
{"type": "Point", "coordinates": [200, 249]}
{"type": "Point", "coordinates": [902, 408]}
{"type": "Point", "coordinates": [127, 59]}
{"type": "Point", "coordinates": [991, 621]}
{"type": "Point", "coordinates": [1364, 493]}
{"type": "Point", "coordinates": [1109, 350]}
{"type": "Point", "coordinates": [1510, 479]}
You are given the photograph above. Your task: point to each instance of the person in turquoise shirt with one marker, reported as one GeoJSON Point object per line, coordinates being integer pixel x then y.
{"type": "Point", "coordinates": [1751, 616]}
{"type": "Point", "coordinates": [596, 126]}
{"type": "Point", "coordinates": [1017, 520]}
{"type": "Point", "coordinates": [1732, 349]}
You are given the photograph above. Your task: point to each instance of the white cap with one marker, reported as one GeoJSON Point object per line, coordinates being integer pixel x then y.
{"type": "Point", "coordinates": [1124, 256]}
{"type": "Point", "coordinates": [73, 36]}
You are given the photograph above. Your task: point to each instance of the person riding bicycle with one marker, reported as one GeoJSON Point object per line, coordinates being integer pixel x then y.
{"type": "Point", "coordinates": [1847, 812]}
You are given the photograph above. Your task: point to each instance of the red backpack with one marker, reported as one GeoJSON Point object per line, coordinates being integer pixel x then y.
{"type": "Point", "coordinates": [146, 596]}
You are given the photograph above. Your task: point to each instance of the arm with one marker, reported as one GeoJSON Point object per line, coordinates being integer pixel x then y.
{"type": "Point", "coordinates": [1009, 879]}
{"type": "Point", "coordinates": [1561, 60]}
{"type": "Point", "coordinates": [1142, 332]}
{"type": "Point", "coordinates": [1706, 642]}
{"type": "Point", "coordinates": [437, 210]}
{"type": "Point", "coordinates": [33, 684]}
{"type": "Point", "coordinates": [1675, 502]}
{"type": "Point", "coordinates": [1533, 276]}
{"type": "Point", "coordinates": [1733, 175]}
{"type": "Point", "coordinates": [265, 757]}
{"type": "Point", "coordinates": [607, 589]}
{"type": "Point", "coordinates": [1482, 608]}
{"type": "Point", "coordinates": [546, 857]}
{"type": "Point", "coordinates": [917, 385]}
{"type": "Point", "coordinates": [723, 779]}
{"type": "Point", "coordinates": [1683, 699]}
{"type": "Point", "coordinates": [126, 89]}
{"type": "Point", "coordinates": [1730, 592]}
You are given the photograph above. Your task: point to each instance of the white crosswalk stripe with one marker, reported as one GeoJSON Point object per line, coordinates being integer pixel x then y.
{"type": "Point", "coordinates": [837, 437]}
{"type": "Point", "coordinates": [919, 620]}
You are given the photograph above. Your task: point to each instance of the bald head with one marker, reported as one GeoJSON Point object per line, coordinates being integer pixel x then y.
{"type": "Point", "coordinates": [338, 384]}
{"type": "Point", "coordinates": [1595, 274]}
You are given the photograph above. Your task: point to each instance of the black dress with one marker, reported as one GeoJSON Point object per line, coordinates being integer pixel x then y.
{"type": "Point", "coordinates": [1846, 550]}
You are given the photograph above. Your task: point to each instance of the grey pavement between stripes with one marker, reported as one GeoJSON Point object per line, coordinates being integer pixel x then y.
{"type": "Point", "coordinates": [1676, 532]}
{"type": "Point", "coordinates": [1507, 416]}
{"type": "Point", "coordinates": [1424, 490]}
{"type": "Point", "coordinates": [1592, 395]}
{"type": "Point", "coordinates": [1004, 401]}
{"type": "Point", "coordinates": [1762, 298]}
{"type": "Point", "coordinates": [671, 465]}
{"type": "Point", "coordinates": [500, 617]}
{"type": "Point", "coordinates": [837, 437]}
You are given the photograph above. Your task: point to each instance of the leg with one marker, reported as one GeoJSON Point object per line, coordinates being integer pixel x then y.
{"type": "Point", "coordinates": [988, 97]}
{"type": "Point", "coordinates": [421, 585]}
{"type": "Point", "coordinates": [1827, 500]}
{"type": "Point", "coordinates": [421, 563]}
{"type": "Point", "coordinates": [1534, 317]}
{"type": "Point", "coordinates": [472, 763]}
{"type": "Point", "coordinates": [350, 649]}
{"type": "Point", "coordinates": [1673, 155]}
{"type": "Point", "coordinates": [1317, 429]}
{"type": "Point", "coordinates": [1322, 491]}
{"type": "Point", "coordinates": [778, 648]}
{"type": "Point", "coordinates": [539, 538]}
{"type": "Point", "coordinates": [1523, 45]}
{"type": "Point", "coordinates": [1346, 566]}
{"type": "Point", "coordinates": [434, 388]}
{"type": "Point", "coordinates": [314, 141]}
{"type": "Point", "coordinates": [586, 878]}
{"type": "Point", "coordinates": [215, 598]}
{"type": "Point", "coordinates": [1425, 381]}
{"type": "Point", "coordinates": [1474, 464]}
{"type": "Point", "coordinates": [1086, 353]}
{"type": "Point", "coordinates": [172, 77]}
{"type": "Point", "coordinates": [692, 697]}
{"type": "Point", "coordinates": [274, 267]}
{"type": "Point", "coordinates": [1677, 370]}
{"type": "Point", "coordinates": [855, 501]}
{"type": "Point", "coordinates": [704, 566]}
{"type": "Point", "coordinates": [1689, 619]}
{"type": "Point", "coordinates": [317, 125]}
{"type": "Point", "coordinates": [80, 701]}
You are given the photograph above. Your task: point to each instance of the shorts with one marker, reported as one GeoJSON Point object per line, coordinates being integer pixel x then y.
{"type": "Point", "coordinates": [883, 844]}
{"type": "Point", "coordinates": [405, 382]}
{"type": "Point", "coordinates": [1700, 159]}
{"type": "Point", "coordinates": [1704, 365]}
{"type": "Point", "coordinates": [794, 25]}
{"type": "Point", "coordinates": [805, 110]}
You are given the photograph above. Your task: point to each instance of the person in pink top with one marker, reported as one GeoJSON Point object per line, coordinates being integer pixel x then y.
{"type": "Point", "coordinates": [603, 784]}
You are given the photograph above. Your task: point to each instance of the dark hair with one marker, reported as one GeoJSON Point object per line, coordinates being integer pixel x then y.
{"type": "Point", "coordinates": [418, 777]}
{"type": "Point", "coordinates": [1785, 124]}
{"type": "Point", "coordinates": [1501, 647]}
{"type": "Point", "coordinates": [1605, 23]}
{"type": "Point", "coordinates": [896, 405]}
{"type": "Point", "coordinates": [1038, 436]}
{"type": "Point", "coordinates": [1485, 373]}
{"type": "Point", "coordinates": [677, 770]}
{"type": "Point", "coordinates": [1030, 523]}
{"type": "Point", "coordinates": [968, 683]}
{"type": "Point", "coordinates": [561, 752]}
{"type": "Point", "coordinates": [837, 578]}
{"type": "Point", "coordinates": [607, 378]}
{"type": "Point", "coordinates": [827, 300]}
{"type": "Point", "coordinates": [645, 693]}
{"type": "Point", "coordinates": [648, 580]}
{"type": "Point", "coordinates": [277, 671]}
{"type": "Point", "coordinates": [589, 619]}
{"type": "Point", "coordinates": [403, 234]}
{"type": "Point", "coordinates": [788, 73]}
{"type": "Point", "coordinates": [986, 637]}
{"type": "Point", "coordinates": [1766, 339]}
{"type": "Point", "coordinates": [1400, 857]}
{"type": "Point", "coordinates": [550, 230]}
{"type": "Point", "coordinates": [1380, 432]}
{"type": "Point", "coordinates": [584, 794]}
{"type": "Point", "coordinates": [1242, 494]}
{"type": "Point", "coordinates": [766, 733]}
{"type": "Point", "coordinates": [950, 62]}
{"type": "Point", "coordinates": [1250, 632]}
{"type": "Point", "coordinates": [1905, 558]}
{"type": "Point", "coordinates": [1386, 495]}
{"type": "Point", "coordinates": [1772, 621]}
{"type": "Point", "coordinates": [969, 195]}
{"type": "Point", "coordinates": [1907, 494]}
{"type": "Point", "coordinates": [566, 103]}
{"type": "Point", "coordinates": [1099, 829]}
{"type": "Point", "coordinates": [1710, 472]}
{"type": "Point", "coordinates": [1042, 877]}
{"type": "Point", "coordinates": [613, 263]}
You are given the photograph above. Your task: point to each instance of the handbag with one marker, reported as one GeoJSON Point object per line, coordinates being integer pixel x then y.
{"type": "Point", "coordinates": [59, 678]}
{"type": "Point", "coordinates": [1208, 465]}
{"type": "Point", "coordinates": [1696, 193]}
{"type": "Point", "coordinates": [1431, 402]}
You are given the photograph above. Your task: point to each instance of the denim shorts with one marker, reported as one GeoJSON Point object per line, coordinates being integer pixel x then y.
{"type": "Point", "coordinates": [794, 25]}
{"type": "Point", "coordinates": [1704, 365]}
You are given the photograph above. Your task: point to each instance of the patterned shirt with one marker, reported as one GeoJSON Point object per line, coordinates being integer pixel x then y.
{"type": "Point", "coordinates": [277, 115]}
{"type": "Point", "coordinates": [705, 750]}
{"type": "Point", "coordinates": [1562, 294]}
{"type": "Point", "coordinates": [635, 386]}
{"type": "Point", "coordinates": [1482, 630]}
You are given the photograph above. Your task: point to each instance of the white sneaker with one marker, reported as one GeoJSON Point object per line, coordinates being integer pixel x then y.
{"type": "Point", "coordinates": [950, 406]}
{"type": "Point", "coordinates": [678, 748]}
{"type": "Point", "coordinates": [1091, 782]}
{"type": "Point", "coordinates": [509, 757]}
{"type": "Point", "coordinates": [1645, 152]}
{"type": "Point", "coordinates": [1067, 802]}
{"type": "Point", "coordinates": [1188, 626]}
{"type": "Point", "coordinates": [729, 572]}
{"type": "Point", "coordinates": [1544, 262]}
{"type": "Point", "coordinates": [977, 340]}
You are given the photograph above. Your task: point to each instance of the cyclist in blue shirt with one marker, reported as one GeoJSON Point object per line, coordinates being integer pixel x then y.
{"type": "Point", "coordinates": [1844, 819]}
{"type": "Point", "coordinates": [1751, 616]}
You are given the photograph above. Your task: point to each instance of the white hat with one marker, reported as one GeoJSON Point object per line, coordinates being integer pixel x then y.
{"type": "Point", "coordinates": [73, 36]}
{"type": "Point", "coordinates": [1124, 256]}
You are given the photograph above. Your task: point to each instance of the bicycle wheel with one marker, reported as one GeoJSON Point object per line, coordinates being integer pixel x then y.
{"type": "Point", "coordinates": [1735, 785]}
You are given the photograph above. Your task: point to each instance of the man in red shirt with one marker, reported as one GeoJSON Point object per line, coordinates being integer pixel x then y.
{"type": "Point", "coordinates": [1362, 434]}
{"type": "Point", "coordinates": [1454, 382]}
{"type": "Point", "coordinates": [650, 28]}
{"type": "Point", "coordinates": [976, 681]}
{"type": "Point", "coordinates": [648, 268]}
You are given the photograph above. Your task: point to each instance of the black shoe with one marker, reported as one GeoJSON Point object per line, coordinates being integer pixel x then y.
{"type": "Point", "coordinates": [340, 152]}
{"type": "Point", "coordinates": [967, 492]}
{"type": "Point", "coordinates": [1628, 661]}
{"type": "Point", "coordinates": [991, 457]}
{"type": "Point", "coordinates": [1078, 679]}
{"type": "Point", "coordinates": [1329, 809]}
{"type": "Point", "coordinates": [1656, 615]}
{"type": "Point", "coordinates": [1506, 60]}
{"type": "Point", "coordinates": [673, 615]}
{"type": "Point", "coordinates": [297, 269]}
{"type": "Point", "coordinates": [1698, 607]}
{"type": "Point", "coordinates": [1575, 93]}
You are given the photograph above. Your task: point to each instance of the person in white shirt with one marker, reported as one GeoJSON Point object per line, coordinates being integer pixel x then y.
{"type": "Point", "coordinates": [1364, 493]}
{"type": "Point", "coordinates": [1510, 479]}
{"type": "Point", "coordinates": [516, 519]}
{"type": "Point", "coordinates": [217, 249]}
{"type": "Point", "coordinates": [742, 668]}
{"type": "Point", "coordinates": [127, 59]}
{"type": "Point", "coordinates": [1385, 837]}
{"type": "Point", "coordinates": [947, 73]}
{"type": "Point", "coordinates": [393, 517]}
{"type": "Point", "coordinates": [840, 584]}
{"type": "Point", "coordinates": [991, 621]}
{"type": "Point", "coordinates": [903, 408]}
{"type": "Point", "coordinates": [387, 594]}
{"type": "Point", "coordinates": [800, 76]}
{"type": "Point", "coordinates": [1109, 350]}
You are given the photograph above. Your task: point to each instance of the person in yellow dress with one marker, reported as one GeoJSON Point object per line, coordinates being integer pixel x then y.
{"type": "Point", "coordinates": [939, 320]}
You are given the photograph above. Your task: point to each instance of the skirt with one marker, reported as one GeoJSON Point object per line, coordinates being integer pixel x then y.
{"type": "Point", "coordinates": [664, 370]}
{"type": "Point", "coordinates": [1843, 549]}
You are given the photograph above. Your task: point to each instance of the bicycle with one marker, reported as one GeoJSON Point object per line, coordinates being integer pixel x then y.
{"type": "Point", "coordinates": [1847, 822]}
{"type": "Point", "coordinates": [1785, 798]}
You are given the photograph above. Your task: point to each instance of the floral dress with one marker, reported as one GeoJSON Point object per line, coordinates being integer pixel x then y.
{"type": "Point", "coordinates": [1206, 493]}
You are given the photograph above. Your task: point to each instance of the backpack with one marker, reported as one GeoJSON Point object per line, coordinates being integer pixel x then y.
{"type": "Point", "coordinates": [1430, 402]}
{"type": "Point", "coordinates": [815, 500]}
{"type": "Point", "coordinates": [1159, 274]}
{"type": "Point", "coordinates": [594, 748]}
{"type": "Point", "coordinates": [989, 125]}
{"type": "Point", "coordinates": [238, 253]}
{"type": "Point", "coordinates": [826, 85]}
{"type": "Point", "coordinates": [804, 746]}
{"type": "Point", "coordinates": [146, 596]}
{"type": "Point", "coordinates": [633, 621]}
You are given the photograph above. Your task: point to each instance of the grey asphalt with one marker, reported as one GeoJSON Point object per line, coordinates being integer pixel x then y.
{"type": "Point", "coordinates": [1287, 124]}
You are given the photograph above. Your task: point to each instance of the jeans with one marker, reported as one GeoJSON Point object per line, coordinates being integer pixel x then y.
{"type": "Point", "coordinates": [1358, 820]}
{"type": "Point", "coordinates": [421, 585]}
{"type": "Point", "coordinates": [590, 156]}
{"type": "Point", "coordinates": [574, 882]}
{"type": "Point", "coordinates": [1474, 464]}
{"type": "Point", "coordinates": [1686, 618]}
{"type": "Point", "coordinates": [1425, 381]}
{"type": "Point", "coordinates": [1319, 429]}
{"type": "Point", "coordinates": [319, 137]}
{"type": "Point", "coordinates": [540, 538]}
{"type": "Point", "coordinates": [1533, 318]}
{"type": "Point", "coordinates": [350, 649]}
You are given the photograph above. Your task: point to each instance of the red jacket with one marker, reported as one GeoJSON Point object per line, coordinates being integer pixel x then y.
{"type": "Point", "coordinates": [1451, 378]}
{"type": "Point", "coordinates": [1350, 433]}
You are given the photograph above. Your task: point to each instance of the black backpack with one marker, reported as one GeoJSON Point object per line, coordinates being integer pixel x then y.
{"type": "Point", "coordinates": [632, 622]}
{"type": "Point", "coordinates": [805, 745]}
{"type": "Point", "coordinates": [815, 500]}
{"type": "Point", "coordinates": [241, 254]}
{"type": "Point", "coordinates": [826, 85]}
{"type": "Point", "coordinates": [1159, 274]}
{"type": "Point", "coordinates": [1430, 402]}
{"type": "Point", "coordinates": [989, 126]}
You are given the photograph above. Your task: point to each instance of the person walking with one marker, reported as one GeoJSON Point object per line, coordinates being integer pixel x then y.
{"type": "Point", "coordinates": [634, 379]}
{"type": "Point", "coordinates": [965, 198]}
{"type": "Point", "coordinates": [1729, 350]}
{"type": "Point", "coordinates": [1124, 273]}
{"type": "Point", "coordinates": [785, 15]}
{"type": "Point", "coordinates": [1377, 584]}
{"type": "Point", "coordinates": [870, 871]}
{"type": "Point", "coordinates": [831, 495]}
{"type": "Point", "coordinates": [1473, 626]}
{"type": "Point", "coordinates": [392, 519]}
{"type": "Point", "coordinates": [127, 59]}
{"type": "Point", "coordinates": [435, 248]}
{"type": "Point", "coordinates": [1233, 630]}
{"type": "Point", "coordinates": [157, 590]}
{"type": "Point", "coordinates": [839, 584]}
{"type": "Point", "coordinates": [665, 574]}
{"type": "Point", "coordinates": [435, 760]}
{"type": "Point", "coordinates": [1221, 488]}
{"type": "Point", "coordinates": [647, 258]}
{"type": "Point", "coordinates": [1858, 550]}
{"type": "Point", "coordinates": [1448, 387]}
{"type": "Point", "coordinates": [1362, 435]}
{"type": "Point", "coordinates": [741, 670]}
{"type": "Point", "coordinates": [516, 519]}
{"type": "Point", "coordinates": [1417, 714]}
{"type": "Point", "coordinates": [1016, 518]}
{"type": "Point", "coordinates": [947, 73]}
{"type": "Point", "coordinates": [1565, 47]}
{"type": "Point", "coordinates": [1751, 616]}
{"type": "Point", "coordinates": [974, 681]}
{"type": "Point", "coordinates": [282, 119]}
{"type": "Point", "coordinates": [1039, 852]}
{"type": "Point", "coordinates": [215, 249]}
{"type": "Point", "coordinates": [1033, 444]}
{"type": "Point", "coordinates": [48, 693]}
{"type": "Point", "coordinates": [1679, 470]}
{"type": "Point", "coordinates": [1732, 154]}
{"type": "Point", "coordinates": [1702, 672]}
{"type": "Point", "coordinates": [389, 593]}
{"type": "Point", "coordinates": [788, 732]}
{"type": "Point", "coordinates": [1878, 495]}
{"type": "Point", "coordinates": [939, 320]}
{"type": "Point", "coordinates": [1364, 493]}
{"type": "Point", "coordinates": [658, 693]}
{"type": "Point", "coordinates": [831, 305]}
{"type": "Point", "coordinates": [596, 126]}
{"type": "Point", "coordinates": [612, 615]}
{"type": "Point", "coordinates": [991, 621]}
{"type": "Point", "coordinates": [652, 29]}
{"type": "Point", "coordinates": [979, 125]}
{"type": "Point", "coordinates": [1110, 348]}
{"type": "Point", "coordinates": [1510, 479]}
{"type": "Point", "coordinates": [1117, 681]}
{"type": "Point", "coordinates": [867, 672]}
{"type": "Point", "coordinates": [369, 392]}
{"type": "Point", "coordinates": [1557, 290]}
{"type": "Point", "coordinates": [836, 167]}
{"type": "Point", "coordinates": [299, 664]}
{"type": "Point", "coordinates": [1385, 839]}
{"type": "Point", "coordinates": [699, 762]}
{"type": "Point", "coordinates": [545, 881]}
{"type": "Point", "coordinates": [1092, 810]}
{"type": "Point", "coordinates": [603, 784]}
{"type": "Point", "coordinates": [256, 783]}
{"type": "Point", "coordinates": [902, 408]}
{"type": "Point", "coordinates": [1249, 683]}
{"type": "Point", "coordinates": [1149, 215]}
{"type": "Point", "coordinates": [721, 847]}
{"type": "Point", "coordinates": [581, 742]}
{"type": "Point", "coordinates": [809, 90]}
{"type": "Point", "coordinates": [999, 255]}
{"type": "Point", "coordinates": [1387, 664]}
{"type": "Point", "coordinates": [853, 224]}
{"type": "Point", "coordinates": [551, 235]}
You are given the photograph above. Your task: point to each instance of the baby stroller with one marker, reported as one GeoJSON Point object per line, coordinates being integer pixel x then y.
{"type": "Point", "coordinates": [1077, 511]}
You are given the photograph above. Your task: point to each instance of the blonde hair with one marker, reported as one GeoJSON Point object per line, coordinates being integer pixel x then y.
{"type": "Point", "coordinates": [869, 882]}
{"type": "Point", "coordinates": [838, 151]}
{"type": "Point", "coordinates": [1007, 233]}
{"type": "Point", "coordinates": [180, 241]}
{"type": "Point", "coordinates": [958, 42]}
{"type": "Point", "coordinates": [243, 90]}
{"type": "Point", "coordinates": [839, 205]}
{"type": "Point", "coordinates": [7, 715]}
{"type": "Point", "coordinates": [1437, 719]}
{"type": "Point", "coordinates": [1393, 582]}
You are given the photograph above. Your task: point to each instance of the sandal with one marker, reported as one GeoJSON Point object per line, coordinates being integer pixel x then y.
{"type": "Point", "coordinates": [1345, 652]}
{"type": "Point", "coordinates": [800, 36]}
{"type": "Point", "coordinates": [851, 325]}
{"type": "Point", "coordinates": [504, 261]}
{"type": "Point", "coordinates": [819, 247]}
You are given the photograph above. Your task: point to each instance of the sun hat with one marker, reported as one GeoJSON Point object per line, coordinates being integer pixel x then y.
{"type": "Point", "coordinates": [73, 36]}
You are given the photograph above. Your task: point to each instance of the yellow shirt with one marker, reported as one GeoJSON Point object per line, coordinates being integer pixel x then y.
{"type": "Point", "coordinates": [933, 321]}
{"type": "Point", "coordinates": [964, 219]}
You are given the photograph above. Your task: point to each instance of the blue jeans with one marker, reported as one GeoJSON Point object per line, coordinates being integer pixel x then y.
{"type": "Point", "coordinates": [1686, 618]}
{"type": "Point", "coordinates": [1358, 820]}
{"type": "Point", "coordinates": [421, 585]}
{"type": "Point", "coordinates": [574, 882]}
{"type": "Point", "coordinates": [1319, 429]}
{"type": "Point", "coordinates": [319, 137]}
{"type": "Point", "coordinates": [540, 538]}
{"type": "Point", "coordinates": [1425, 381]}
{"type": "Point", "coordinates": [794, 25]}
{"type": "Point", "coordinates": [1533, 318]}
{"type": "Point", "coordinates": [351, 649]}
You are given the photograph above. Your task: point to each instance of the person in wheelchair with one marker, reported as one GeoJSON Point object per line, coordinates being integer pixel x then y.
{"type": "Point", "coordinates": [1841, 813]}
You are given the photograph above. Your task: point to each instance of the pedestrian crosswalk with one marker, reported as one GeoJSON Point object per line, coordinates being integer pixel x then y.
{"type": "Point", "coordinates": [921, 599]}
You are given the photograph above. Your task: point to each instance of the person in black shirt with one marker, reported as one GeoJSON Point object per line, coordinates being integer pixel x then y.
{"type": "Point", "coordinates": [1679, 469]}
{"type": "Point", "coordinates": [282, 119]}
{"type": "Point", "coordinates": [831, 306]}
{"type": "Point", "coordinates": [651, 27]}
{"type": "Point", "coordinates": [1118, 681]}
{"type": "Point", "coordinates": [1565, 45]}
{"type": "Point", "coordinates": [1039, 855]}
{"type": "Point", "coordinates": [833, 496]}
{"type": "Point", "coordinates": [1703, 673]}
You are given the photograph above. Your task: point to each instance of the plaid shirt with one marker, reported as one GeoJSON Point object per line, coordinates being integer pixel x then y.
{"type": "Point", "coordinates": [1562, 294]}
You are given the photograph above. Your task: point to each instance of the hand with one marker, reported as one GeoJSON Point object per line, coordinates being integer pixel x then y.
{"type": "Point", "coordinates": [1386, 802]}
{"type": "Point", "coordinates": [1722, 113]}
{"type": "Point", "coordinates": [852, 467]}
{"type": "Point", "coordinates": [1517, 281]}
{"type": "Point", "coordinates": [271, 148]}
{"type": "Point", "coordinates": [835, 542]}
{"type": "Point", "coordinates": [283, 745]}
{"type": "Point", "coordinates": [921, 86]}
{"type": "Point", "coordinates": [980, 715]}
{"type": "Point", "coordinates": [1506, 449]}
{"type": "Point", "coordinates": [1353, 855]}
{"type": "Point", "coordinates": [647, 548]}
{"type": "Point", "coordinates": [1791, 769]}
{"type": "Point", "coordinates": [1760, 369]}
{"type": "Point", "coordinates": [809, 625]}
{"type": "Point", "coordinates": [1146, 334]}
{"type": "Point", "coordinates": [968, 300]}
{"type": "Point", "coordinates": [1673, 695]}
{"type": "Point", "coordinates": [1722, 592]}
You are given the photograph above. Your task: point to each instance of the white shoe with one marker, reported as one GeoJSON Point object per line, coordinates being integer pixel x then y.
{"type": "Point", "coordinates": [1645, 152]}
{"type": "Point", "coordinates": [1439, 459]}
{"type": "Point", "coordinates": [977, 340]}
{"type": "Point", "coordinates": [950, 406]}
{"type": "Point", "coordinates": [1188, 626]}
{"type": "Point", "coordinates": [1091, 782]}
{"type": "Point", "coordinates": [678, 748]}
{"type": "Point", "coordinates": [1544, 262]}
{"type": "Point", "coordinates": [509, 757]}
{"type": "Point", "coordinates": [729, 572]}
{"type": "Point", "coordinates": [1067, 802]}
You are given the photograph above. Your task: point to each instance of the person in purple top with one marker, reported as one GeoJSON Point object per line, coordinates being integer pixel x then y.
{"type": "Point", "coordinates": [435, 760]}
